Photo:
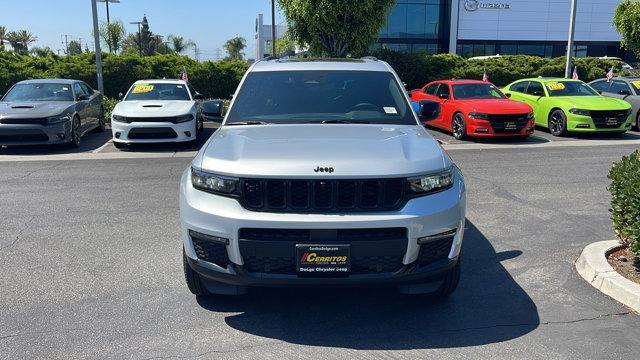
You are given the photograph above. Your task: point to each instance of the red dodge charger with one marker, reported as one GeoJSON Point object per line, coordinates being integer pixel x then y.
{"type": "Point", "coordinates": [476, 108]}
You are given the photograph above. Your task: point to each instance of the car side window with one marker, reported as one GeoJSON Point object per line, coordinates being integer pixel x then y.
{"type": "Point", "coordinates": [431, 89]}
{"type": "Point", "coordinates": [535, 89]}
{"type": "Point", "coordinates": [87, 89]}
{"type": "Point", "coordinates": [443, 90]}
{"type": "Point", "coordinates": [520, 87]}
{"type": "Point", "coordinates": [601, 85]}
{"type": "Point", "coordinates": [78, 90]}
{"type": "Point", "coordinates": [617, 87]}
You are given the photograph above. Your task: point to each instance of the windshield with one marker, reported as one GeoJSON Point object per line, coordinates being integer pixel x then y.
{"type": "Point", "coordinates": [40, 92]}
{"type": "Point", "coordinates": [476, 91]}
{"type": "Point", "coordinates": [569, 88]}
{"type": "Point", "coordinates": [158, 91]}
{"type": "Point", "coordinates": [295, 97]}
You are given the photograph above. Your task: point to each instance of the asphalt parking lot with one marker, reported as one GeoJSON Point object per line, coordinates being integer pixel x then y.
{"type": "Point", "coordinates": [91, 262]}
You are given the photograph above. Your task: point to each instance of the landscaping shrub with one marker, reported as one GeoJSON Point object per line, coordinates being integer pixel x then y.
{"type": "Point", "coordinates": [108, 105]}
{"type": "Point", "coordinates": [625, 200]}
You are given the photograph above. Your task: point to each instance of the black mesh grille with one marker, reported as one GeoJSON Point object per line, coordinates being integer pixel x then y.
{"type": "Point", "coordinates": [23, 135]}
{"type": "Point", "coordinates": [609, 119]}
{"type": "Point", "coordinates": [339, 235]}
{"type": "Point", "coordinates": [38, 121]}
{"type": "Point", "coordinates": [169, 119]}
{"type": "Point", "coordinates": [516, 122]}
{"type": "Point", "coordinates": [322, 195]}
{"type": "Point", "coordinates": [434, 251]}
{"type": "Point", "coordinates": [152, 133]}
{"type": "Point", "coordinates": [211, 252]}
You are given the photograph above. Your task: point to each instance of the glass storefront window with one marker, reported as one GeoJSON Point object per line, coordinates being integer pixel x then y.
{"type": "Point", "coordinates": [416, 21]}
{"type": "Point", "coordinates": [397, 22]}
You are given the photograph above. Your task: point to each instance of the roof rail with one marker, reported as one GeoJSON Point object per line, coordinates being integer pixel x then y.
{"type": "Point", "coordinates": [372, 58]}
{"type": "Point", "coordinates": [267, 58]}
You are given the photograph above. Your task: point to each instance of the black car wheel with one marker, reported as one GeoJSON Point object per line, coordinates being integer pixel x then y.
{"type": "Point", "coordinates": [101, 124]}
{"type": "Point", "coordinates": [637, 127]}
{"type": "Point", "coordinates": [75, 137]}
{"type": "Point", "coordinates": [558, 123]}
{"type": "Point", "coordinates": [459, 127]}
{"type": "Point", "coordinates": [193, 280]}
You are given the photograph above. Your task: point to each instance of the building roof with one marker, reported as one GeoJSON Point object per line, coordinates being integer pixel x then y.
{"type": "Point", "coordinates": [365, 64]}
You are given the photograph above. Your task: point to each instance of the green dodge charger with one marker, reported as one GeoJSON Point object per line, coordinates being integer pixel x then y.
{"type": "Point", "coordinates": [565, 105]}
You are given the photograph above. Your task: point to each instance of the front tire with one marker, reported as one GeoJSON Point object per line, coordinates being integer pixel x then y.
{"type": "Point", "coordinates": [119, 145]}
{"type": "Point", "coordinates": [637, 127]}
{"type": "Point", "coordinates": [75, 137]}
{"type": "Point", "coordinates": [101, 123]}
{"type": "Point", "coordinates": [459, 127]}
{"type": "Point", "coordinates": [449, 284]}
{"type": "Point", "coordinates": [193, 280]}
{"type": "Point", "coordinates": [558, 123]}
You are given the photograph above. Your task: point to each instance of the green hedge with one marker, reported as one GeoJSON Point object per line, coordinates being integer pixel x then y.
{"type": "Point", "coordinates": [213, 79]}
{"type": "Point", "coordinates": [625, 200]}
{"type": "Point", "coordinates": [418, 69]}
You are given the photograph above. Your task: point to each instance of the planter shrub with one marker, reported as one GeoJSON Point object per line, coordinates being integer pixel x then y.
{"type": "Point", "coordinates": [625, 200]}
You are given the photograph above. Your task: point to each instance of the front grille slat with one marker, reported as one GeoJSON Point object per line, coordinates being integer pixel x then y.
{"type": "Point", "coordinates": [498, 122]}
{"type": "Point", "coordinates": [601, 118]}
{"type": "Point", "coordinates": [306, 196]}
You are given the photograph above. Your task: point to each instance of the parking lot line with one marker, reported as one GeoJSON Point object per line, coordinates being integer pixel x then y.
{"type": "Point", "coordinates": [102, 147]}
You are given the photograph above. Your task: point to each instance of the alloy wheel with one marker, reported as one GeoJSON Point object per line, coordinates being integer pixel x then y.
{"type": "Point", "coordinates": [458, 127]}
{"type": "Point", "coordinates": [556, 123]}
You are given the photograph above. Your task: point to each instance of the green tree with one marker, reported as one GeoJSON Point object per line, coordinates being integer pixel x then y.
{"type": "Point", "coordinates": [74, 48]}
{"type": "Point", "coordinates": [285, 44]}
{"type": "Point", "coordinates": [3, 36]}
{"type": "Point", "coordinates": [20, 41]}
{"type": "Point", "coordinates": [626, 20]}
{"type": "Point", "coordinates": [112, 34]}
{"type": "Point", "coordinates": [179, 44]}
{"type": "Point", "coordinates": [235, 46]}
{"type": "Point", "coordinates": [335, 28]}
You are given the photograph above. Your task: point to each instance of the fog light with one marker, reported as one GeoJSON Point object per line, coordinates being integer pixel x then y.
{"type": "Point", "coordinates": [211, 238]}
{"type": "Point", "coordinates": [61, 136]}
{"type": "Point", "coordinates": [187, 133]}
{"type": "Point", "coordinates": [440, 236]}
{"type": "Point", "coordinates": [117, 135]}
{"type": "Point", "coordinates": [583, 126]}
{"type": "Point", "coordinates": [482, 130]}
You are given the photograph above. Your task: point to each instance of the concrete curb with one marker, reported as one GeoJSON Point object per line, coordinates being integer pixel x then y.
{"type": "Point", "coordinates": [593, 266]}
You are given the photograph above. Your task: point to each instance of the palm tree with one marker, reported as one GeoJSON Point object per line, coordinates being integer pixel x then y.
{"type": "Point", "coordinates": [235, 46]}
{"type": "Point", "coordinates": [20, 41]}
{"type": "Point", "coordinates": [179, 44]}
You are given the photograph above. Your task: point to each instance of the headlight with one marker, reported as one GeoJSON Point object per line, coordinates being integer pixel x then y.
{"type": "Point", "coordinates": [184, 118]}
{"type": "Point", "coordinates": [431, 183]}
{"type": "Point", "coordinates": [119, 118]}
{"type": "Point", "coordinates": [58, 119]}
{"type": "Point", "coordinates": [480, 116]}
{"type": "Point", "coordinates": [213, 183]}
{"type": "Point", "coordinates": [581, 112]}
{"type": "Point", "coordinates": [530, 116]}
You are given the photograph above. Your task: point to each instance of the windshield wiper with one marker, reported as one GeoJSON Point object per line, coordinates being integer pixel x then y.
{"type": "Point", "coordinates": [248, 123]}
{"type": "Point", "coordinates": [337, 122]}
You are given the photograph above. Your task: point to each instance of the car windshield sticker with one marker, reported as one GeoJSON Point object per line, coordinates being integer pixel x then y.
{"type": "Point", "coordinates": [65, 88]}
{"type": "Point", "coordinates": [390, 110]}
{"type": "Point", "coordinates": [179, 86]}
{"type": "Point", "coordinates": [555, 86]}
{"type": "Point", "coordinates": [142, 88]}
{"type": "Point", "coordinates": [636, 84]}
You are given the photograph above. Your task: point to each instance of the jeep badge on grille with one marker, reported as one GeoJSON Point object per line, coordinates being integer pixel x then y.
{"type": "Point", "coordinates": [323, 169]}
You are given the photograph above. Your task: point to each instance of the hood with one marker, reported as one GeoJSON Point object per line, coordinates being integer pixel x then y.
{"type": "Point", "coordinates": [155, 108]}
{"type": "Point", "coordinates": [33, 109]}
{"type": "Point", "coordinates": [496, 106]}
{"type": "Point", "coordinates": [593, 102]}
{"type": "Point", "coordinates": [296, 150]}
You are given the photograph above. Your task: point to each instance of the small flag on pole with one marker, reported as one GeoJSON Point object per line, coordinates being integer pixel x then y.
{"type": "Point", "coordinates": [610, 75]}
{"type": "Point", "coordinates": [184, 76]}
{"type": "Point", "coordinates": [575, 73]}
{"type": "Point", "coordinates": [485, 76]}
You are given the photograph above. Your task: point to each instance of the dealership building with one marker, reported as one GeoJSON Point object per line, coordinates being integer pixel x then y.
{"type": "Point", "coordinates": [506, 27]}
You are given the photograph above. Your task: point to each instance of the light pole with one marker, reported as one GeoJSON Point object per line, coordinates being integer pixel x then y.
{"type": "Point", "coordinates": [572, 29]}
{"type": "Point", "coordinates": [273, 28]}
{"type": "Point", "coordinates": [106, 2]}
{"type": "Point", "coordinates": [139, 34]}
{"type": "Point", "coordinates": [96, 38]}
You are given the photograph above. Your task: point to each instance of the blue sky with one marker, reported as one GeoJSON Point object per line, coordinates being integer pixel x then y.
{"type": "Point", "coordinates": [209, 23]}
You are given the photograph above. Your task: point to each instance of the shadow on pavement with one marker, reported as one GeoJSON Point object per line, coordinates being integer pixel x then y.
{"type": "Point", "coordinates": [173, 147]}
{"type": "Point", "coordinates": [629, 135]}
{"type": "Point", "coordinates": [488, 307]}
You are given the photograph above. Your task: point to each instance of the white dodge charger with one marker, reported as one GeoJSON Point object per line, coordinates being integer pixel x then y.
{"type": "Point", "coordinates": [157, 111]}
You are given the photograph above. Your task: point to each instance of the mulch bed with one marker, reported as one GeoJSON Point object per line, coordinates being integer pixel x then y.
{"type": "Point", "coordinates": [630, 268]}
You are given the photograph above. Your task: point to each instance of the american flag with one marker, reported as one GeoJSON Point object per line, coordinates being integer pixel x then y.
{"type": "Point", "coordinates": [610, 75]}
{"type": "Point", "coordinates": [575, 73]}
{"type": "Point", "coordinates": [184, 76]}
{"type": "Point", "coordinates": [485, 76]}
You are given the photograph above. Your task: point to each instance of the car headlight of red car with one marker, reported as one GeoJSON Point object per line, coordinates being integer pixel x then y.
{"type": "Point", "coordinates": [530, 116]}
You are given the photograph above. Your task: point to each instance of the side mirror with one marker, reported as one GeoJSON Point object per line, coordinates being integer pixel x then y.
{"type": "Point", "coordinates": [120, 96]}
{"type": "Point", "coordinates": [83, 97]}
{"type": "Point", "coordinates": [212, 110]}
{"type": "Point", "coordinates": [444, 96]}
{"type": "Point", "coordinates": [428, 110]}
{"type": "Point", "coordinates": [198, 96]}
{"type": "Point", "coordinates": [508, 95]}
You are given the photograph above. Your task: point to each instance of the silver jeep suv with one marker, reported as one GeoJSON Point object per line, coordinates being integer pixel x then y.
{"type": "Point", "coordinates": [321, 174]}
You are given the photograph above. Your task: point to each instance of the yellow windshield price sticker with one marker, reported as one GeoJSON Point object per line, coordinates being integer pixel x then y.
{"type": "Point", "coordinates": [636, 83]}
{"type": "Point", "coordinates": [555, 86]}
{"type": "Point", "coordinates": [142, 88]}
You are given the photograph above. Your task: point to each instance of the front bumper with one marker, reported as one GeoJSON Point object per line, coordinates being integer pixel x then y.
{"type": "Point", "coordinates": [34, 134]}
{"type": "Point", "coordinates": [585, 124]}
{"type": "Point", "coordinates": [224, 217]}
{"type": "Point", "coordinates": [153, 132]}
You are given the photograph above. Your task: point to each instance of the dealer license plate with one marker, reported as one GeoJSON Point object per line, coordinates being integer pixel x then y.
{"type": "Point", "coordinates": [323, 259]}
